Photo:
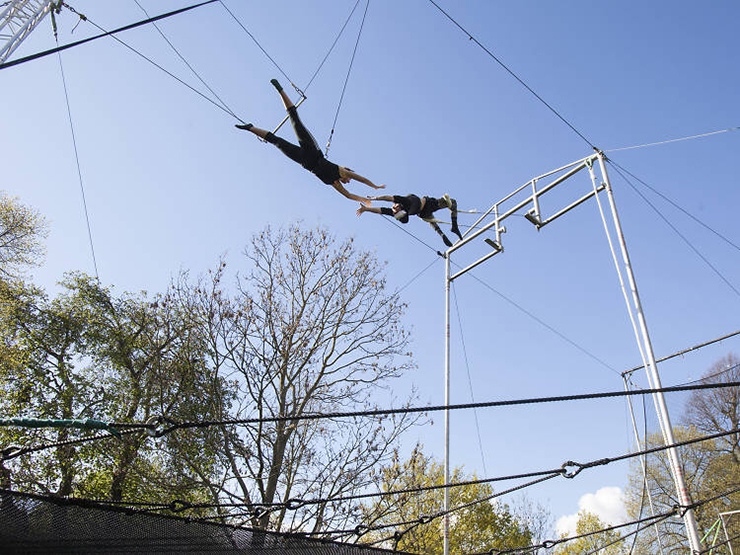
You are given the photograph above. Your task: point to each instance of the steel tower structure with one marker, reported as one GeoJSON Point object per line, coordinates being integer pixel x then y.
{"type": "Point", "coordinates": [17, 20]}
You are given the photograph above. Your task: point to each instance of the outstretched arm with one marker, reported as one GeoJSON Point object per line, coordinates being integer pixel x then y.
{"type": "Point", "coordinates": [373, 209]}
{"type": "Point", "coordinates": [388, 198]}
{"type": "Point", "coordinates": [361, 179]}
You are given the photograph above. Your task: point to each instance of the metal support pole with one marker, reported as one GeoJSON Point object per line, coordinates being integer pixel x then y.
{"type": "Point", "coordinates": [689, 520]}
{"type": "Point", "coordinates": [446, 523]}
{"type": "Point", "coordinates": [643, 463]}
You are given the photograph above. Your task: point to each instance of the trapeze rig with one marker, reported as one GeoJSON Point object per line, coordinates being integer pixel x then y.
{"type": "Point", "coordinates": [526, 199]}
{"type": "Point", "coordinates": [18, 20]}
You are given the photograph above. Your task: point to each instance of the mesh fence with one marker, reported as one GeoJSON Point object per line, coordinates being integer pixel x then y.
{"type": "Point", "coordinates": [39, 524]}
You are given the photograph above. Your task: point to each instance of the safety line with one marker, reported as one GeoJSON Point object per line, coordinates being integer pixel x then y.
{"type": "Point", "coordinates": [677, 207]}
{"type": "Point", "coordinates": [190, 67]}
{"type": "Point", "coordinates": [683, 352]}
{"type": "Point", "coordinates": [108, 33]}
{"type": "Point", "coordinates": [685, 240]}
{"type": "Point", "coordinates": [77, 161]}
{"type": "Point", "coordinates": [260, 47]}
{"type": "Point", "coordinates": [673, 140]}
{"type": "Point", "coordinates": [514, 75]}
{"type": "Point", "coordinates": [155, 64]}
{"type": "Point", "coordinates": [579, 468]}
{"type": "Point", "coordinates": [544, 324]}
{"type": "Point", "coordinates": [166, 425]}
{"type": "Point", "coordinates": [331, 48]}
{"type": "Point", "coordinates": [470, 380]}
{"type": "Point", "coordinates": [346, 79]}
{"type": "Point", "coordinates": [412, 280]}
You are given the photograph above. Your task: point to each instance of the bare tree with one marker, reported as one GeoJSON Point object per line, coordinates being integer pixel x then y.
{"type": "Point", "coordinates": [310, 330]}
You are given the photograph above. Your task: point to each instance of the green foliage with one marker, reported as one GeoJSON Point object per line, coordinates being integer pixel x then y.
{"type": "Point", "coordinates": [90, 354]}
{"type": "Point", "coordinates": [603, 543]}
{"type": "Point", "coordinates": [480, 527]}
{"type": "Point", "coordinates": [22, 231]}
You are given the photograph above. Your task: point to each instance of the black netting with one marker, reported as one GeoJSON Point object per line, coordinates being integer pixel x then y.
{"type": "Point", "coordinates": [37, 524]}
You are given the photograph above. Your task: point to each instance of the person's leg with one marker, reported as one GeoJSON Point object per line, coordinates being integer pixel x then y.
{"type": "Point", "coordinates": [287, 102]}
{"type": "Point", "coordinates": [305, 139]}
{"type": "Point", "coordinates": [345, 193]}
{"type": "Point", "coordinates": [441, 234]}
{"type": "Point", "coordinates": [453, 210]}
{"type": "Point", "coordinates": [261, 133]}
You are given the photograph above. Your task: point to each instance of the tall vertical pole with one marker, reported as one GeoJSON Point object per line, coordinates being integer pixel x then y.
{"type": "Point", "coordinates": [652, 370]}
{"type": "Point", "coordinates": [643, 463]}
{"type": "Point", "coordinates": [446, 521]}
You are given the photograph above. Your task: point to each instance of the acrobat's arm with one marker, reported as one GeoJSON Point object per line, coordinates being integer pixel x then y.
{"type": "Point", "coordinates": [374, 210]}
{"type": "Point", "coordinates": [361, 179]}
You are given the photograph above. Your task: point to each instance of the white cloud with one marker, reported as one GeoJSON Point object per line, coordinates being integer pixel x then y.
{"type": "Point", "coordinates": [607, 504]}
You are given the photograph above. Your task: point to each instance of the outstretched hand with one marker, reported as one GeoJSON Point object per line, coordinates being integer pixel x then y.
{"type": "Point", "coordinates": [379, 186]}
{"type": "Point", "coordinates": [360, 210]}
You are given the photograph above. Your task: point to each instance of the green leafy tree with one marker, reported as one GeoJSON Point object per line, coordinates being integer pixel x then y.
{"type": "Point", "coordinates": [479, 527]}
{"type": "Point", "coordinates": [22, 231]}
{"type": "Point", "coordinates": [593, 541]}
{"type": "Point", "coordinates": [90, 354]}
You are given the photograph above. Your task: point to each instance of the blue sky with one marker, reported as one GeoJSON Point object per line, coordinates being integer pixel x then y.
{"type": "Point", "coordinates": [170, 184]}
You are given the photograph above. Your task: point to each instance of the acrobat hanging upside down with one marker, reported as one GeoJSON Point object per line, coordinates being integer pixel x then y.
{"type": "Point", "coordinates": [411, 205]}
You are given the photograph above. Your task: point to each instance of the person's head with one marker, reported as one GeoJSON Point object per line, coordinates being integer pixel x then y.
{"type": "Point", "coordinates": [399, 213]}
{"type": "Point", "coordinates": [345, 174]}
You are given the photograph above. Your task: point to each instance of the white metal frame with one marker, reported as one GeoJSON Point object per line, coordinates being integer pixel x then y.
{"type": "Point", "coordinates": [534, 214]}
{"type": "Point", "coordinates": [17, 20]}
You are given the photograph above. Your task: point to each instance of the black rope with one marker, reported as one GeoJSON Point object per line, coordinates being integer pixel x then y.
{"type": "Point", "coordinates": [514, 75]}
{"type": "Point", "coordinates": [543, 323]}
{"type": "Point", "coordinates": [470, 380]}
{"type": "Point", "coordinates": [14, 451]}
{"type": "Point", "coordinates": [190, 67]}
{"type": "Point", "coordinates": [346, 79]}
{"type": "Point", "coordinates": [105, 34]}
{"type": "Point", "coordinates": [155, 64]}
{"type": "Point", "coordinates": [261, 48]}
{"type": "Point", "coordinates": [716, 545]}
{"type": "Point", "coordinates": [675, 229]}
{"type": "Point", "coordinates": [677, 206]}
{"type": "Point", "coordinates": [77, 161]}
{"type": "Point", "coordinates": [167, 426]}
{"type": "Point", "coordinates": [315, 73]}
{"type": "Point", "coordinates": [417, 276]}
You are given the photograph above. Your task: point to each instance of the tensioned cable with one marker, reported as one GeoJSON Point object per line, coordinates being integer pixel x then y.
{"type": "Point", "coordinates": [548, 544]}
{"type": "Point", "coordinates": [677, 206]}
{"type": "Point", "coordinates": [470, 380]}
{"type": "Point", "coordinates": [260, 47]}
{"type": "Point", "coordinates": [109, 33]}
{"type": "Point", "coordinates": [514, 75]}
{"type": "Point", "coordinates": [315, 73]}
{"type": "Point", "coordinates": [673, 140]}
{"type": "Point", "coordinates": [155, 64]}
{"type": "Point", "coordinates": [346, 79]}
{"type": "Point", "coordinates": [511, 302]}
{"type": "Point", "coordinates": [569, 469]}
{"type": "Point", "coordinates": [167, 426]}
{"type": "Point", "coordinates": [190, 67]}
{"type": "Point", "coordinates": [417, 276]}
{"type": "Point", "coordinates": [77, 160]}
{"type": "Point", "coordinates": [720, 544]}
{"type": "Point", "coordinates": [681, 235]}
{"type": "Point", "coordinates": [543, 323]}
{"type": "Point", "coordinates": [684, 351]}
